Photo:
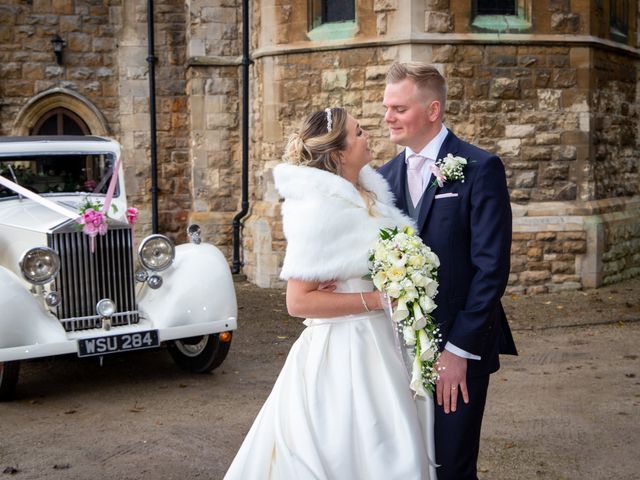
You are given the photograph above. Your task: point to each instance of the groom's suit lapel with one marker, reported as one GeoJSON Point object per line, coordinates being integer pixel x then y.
{"type": "Point", "coordinates": [450, 145]}
{"type": "Point", "coordinates": [398, 181]}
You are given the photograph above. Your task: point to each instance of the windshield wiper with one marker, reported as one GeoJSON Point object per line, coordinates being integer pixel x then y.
{"type": "Point", "coordinates": [15, 180]}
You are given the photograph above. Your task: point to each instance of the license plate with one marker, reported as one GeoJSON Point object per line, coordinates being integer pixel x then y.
{"type": "Point", "coordinates": [122, 342]}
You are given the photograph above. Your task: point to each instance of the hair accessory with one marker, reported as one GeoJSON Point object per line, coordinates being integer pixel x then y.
{"type": "Point", "coordinates": [329, 120]}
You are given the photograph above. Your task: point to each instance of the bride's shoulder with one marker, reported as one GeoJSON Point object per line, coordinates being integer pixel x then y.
{"type": "Point", "coordinates": [376, 183]}
{"type": "Point", "coordinates": [295, 182]}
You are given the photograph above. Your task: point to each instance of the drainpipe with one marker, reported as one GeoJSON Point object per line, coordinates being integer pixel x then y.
{"type": "Point", "coordinates": [235, 268]}
{"type": "Point", "coordinates": [151, 60]}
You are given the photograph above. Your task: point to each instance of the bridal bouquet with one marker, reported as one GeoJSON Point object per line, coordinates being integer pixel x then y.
{"type": "Point", "coordinates": [404, 268]}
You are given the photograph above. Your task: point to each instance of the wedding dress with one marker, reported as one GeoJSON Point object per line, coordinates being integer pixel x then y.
{"type": "Point", "coordinates": [341, 408]}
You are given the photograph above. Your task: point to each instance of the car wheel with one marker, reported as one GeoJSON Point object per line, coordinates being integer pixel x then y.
{"type": "Point", "coordinates": [199, 354]}
{"type": "Point", "coordinates": [9, 372]}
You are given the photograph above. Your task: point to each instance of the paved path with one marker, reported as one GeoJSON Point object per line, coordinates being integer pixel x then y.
{"type": "Point", "coordinates": [566, 408]}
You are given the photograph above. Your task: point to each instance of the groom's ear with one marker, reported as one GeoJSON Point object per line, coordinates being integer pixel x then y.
{"type": "Point", "coordinates": [434, 111]}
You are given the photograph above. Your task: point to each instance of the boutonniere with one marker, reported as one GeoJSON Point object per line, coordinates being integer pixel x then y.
{"type": "Point", "coordinates": [448, 169]}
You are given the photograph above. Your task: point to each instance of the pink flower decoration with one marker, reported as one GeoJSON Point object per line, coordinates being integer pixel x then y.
{"type": "Point", "coordinates": [132, 215]}
{"type": "Point", "coordinates": [90, 185]}
{"type": "Point", "coordinates": [438, 174]}
{"type": "Point", "coordinates": [95, 223]}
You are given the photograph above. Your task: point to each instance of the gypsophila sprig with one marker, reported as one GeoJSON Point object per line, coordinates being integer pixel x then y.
{"type": "Point", "coordinates": [404, 268]}
{"type": "Point", "coordinates": [448, 169]}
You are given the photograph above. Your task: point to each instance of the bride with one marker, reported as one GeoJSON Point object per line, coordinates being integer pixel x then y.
{"type": "Point", "coordinates": [341, 407]}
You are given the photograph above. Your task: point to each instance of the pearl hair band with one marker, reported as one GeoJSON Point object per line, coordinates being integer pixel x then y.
{"type": "Point", "coordinates": [329, 120]}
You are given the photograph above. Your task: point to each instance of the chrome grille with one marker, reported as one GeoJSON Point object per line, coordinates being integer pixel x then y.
{"type": "Point", "coordinates": [86, 277]}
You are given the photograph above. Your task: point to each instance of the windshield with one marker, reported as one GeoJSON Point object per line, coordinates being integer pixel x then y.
{"type": "Point", "coordinates": [55, 173]}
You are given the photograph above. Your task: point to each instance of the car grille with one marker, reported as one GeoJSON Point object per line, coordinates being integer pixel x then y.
{"type": "Point", "coordinates": [86, 277]}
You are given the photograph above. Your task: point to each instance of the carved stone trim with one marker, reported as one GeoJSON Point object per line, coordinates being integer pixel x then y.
{"type": "Point", "coordinates": [59, 97]}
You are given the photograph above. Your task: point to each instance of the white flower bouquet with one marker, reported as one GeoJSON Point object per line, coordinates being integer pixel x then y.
{"type": "Point", "coordinates": [405, 269]}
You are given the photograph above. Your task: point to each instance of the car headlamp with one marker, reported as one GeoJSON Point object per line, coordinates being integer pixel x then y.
{"type": "Point", "coordinates": [156, 252]}
{"type": "Point", "coordinates": [106, 307]}
{"type": "Point", "coordinates": [40, 265]}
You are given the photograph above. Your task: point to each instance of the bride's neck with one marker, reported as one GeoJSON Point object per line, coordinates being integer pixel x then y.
{"type": "Point", "coordinates": [352, 177]}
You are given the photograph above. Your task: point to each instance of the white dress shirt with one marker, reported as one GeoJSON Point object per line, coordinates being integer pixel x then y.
{"type": "Point", "coordinates": [430, 152]}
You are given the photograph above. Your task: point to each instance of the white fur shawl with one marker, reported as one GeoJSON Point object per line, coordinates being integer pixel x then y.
{"type": "Point", "coordinates": [326, 223]}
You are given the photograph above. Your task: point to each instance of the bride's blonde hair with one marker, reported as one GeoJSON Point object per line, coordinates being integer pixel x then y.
{"type": "Point", "coordinates": [322, 136]}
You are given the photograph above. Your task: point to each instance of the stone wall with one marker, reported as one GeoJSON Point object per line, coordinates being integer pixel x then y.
{"type": "Point", "coordinates": [541, 104]}
{"type": "Point", "coordinates": [554, 93]}
{"type": "Point", "coordinates": [529, 104]}
{"type": "Point", "coordinates": [621, 245]}
{"type": "Point", "coordinates": [293, 86]}
{"type": "Point", "coordinates": [213, 50]}
{"type": "Point", "coordinates": [27, 62]}
{"type": "Point", "coordinates": [615, 140]}
{"type": "Point", "coordinates": [172, 117]}
{"type": "Point", "coordinates": [104, 68]}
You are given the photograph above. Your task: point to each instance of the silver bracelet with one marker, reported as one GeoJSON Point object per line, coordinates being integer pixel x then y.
{"type": "Point", "coordinates": [364, 303]}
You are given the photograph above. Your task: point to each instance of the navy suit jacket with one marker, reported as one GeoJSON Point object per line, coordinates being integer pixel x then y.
{"type": "Point", "coordinates": [471, 234]}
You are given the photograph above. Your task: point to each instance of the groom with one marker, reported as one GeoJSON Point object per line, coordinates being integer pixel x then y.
{"type": "Point", "coordinates": [466, 220]}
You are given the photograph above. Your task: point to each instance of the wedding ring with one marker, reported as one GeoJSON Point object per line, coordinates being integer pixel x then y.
{"type": "Point", "coordinates": [453, 387]}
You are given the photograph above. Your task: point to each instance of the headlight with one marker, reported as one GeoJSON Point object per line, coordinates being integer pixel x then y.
{"type": "Point", "coordinates": [156, 252]}
{"type": "Point", "coordinates": [106, 307]}
{"type": "Point", "coordinates": [39, 265]}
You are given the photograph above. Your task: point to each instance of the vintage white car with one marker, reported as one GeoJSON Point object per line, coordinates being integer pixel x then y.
{"type": "Point", "coordinates": [68, 288]}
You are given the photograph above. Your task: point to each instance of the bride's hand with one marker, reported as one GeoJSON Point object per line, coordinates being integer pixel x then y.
{"type": "Point", "coordinates": [386, 303]}
{"type": "Point", "coordinates": [328, 286]}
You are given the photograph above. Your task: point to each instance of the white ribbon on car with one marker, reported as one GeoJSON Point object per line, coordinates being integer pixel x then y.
{"type": "Point", "coordinates": [45, 202]}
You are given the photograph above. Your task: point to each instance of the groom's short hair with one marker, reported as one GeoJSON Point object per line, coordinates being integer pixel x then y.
{"type": "Point", "coordinates": [426, 77]}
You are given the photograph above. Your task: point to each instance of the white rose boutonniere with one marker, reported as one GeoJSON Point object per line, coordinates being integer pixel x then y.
{"type": "Point", "coordinates": [447, 169]}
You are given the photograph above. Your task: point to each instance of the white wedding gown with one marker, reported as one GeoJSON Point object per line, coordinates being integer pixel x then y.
{"type": "Point", "coordinates": [341, 408]}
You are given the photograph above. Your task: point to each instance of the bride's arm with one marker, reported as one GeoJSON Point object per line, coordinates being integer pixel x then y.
{"type": "Point", "coordinates": [304, 299]}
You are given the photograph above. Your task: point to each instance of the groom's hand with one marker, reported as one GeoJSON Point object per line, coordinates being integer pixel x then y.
{"type": "Point", "coordinates": [453, 378]}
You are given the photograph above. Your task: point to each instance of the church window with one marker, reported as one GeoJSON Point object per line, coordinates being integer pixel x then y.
{"type": "Point", "coordinates": [331, 11]}
{"type": "Point", "coordinates": [619, 19]}
{"type": "Point", "coordinates": [60, 121]}
{"type": "Point", "coordinates": [496, 7]}
{"type": "Point", "coordinates": [505, 16]}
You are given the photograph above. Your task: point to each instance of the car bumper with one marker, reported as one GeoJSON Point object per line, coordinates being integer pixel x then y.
{"type": "Point", "coordinates": [70, 344]}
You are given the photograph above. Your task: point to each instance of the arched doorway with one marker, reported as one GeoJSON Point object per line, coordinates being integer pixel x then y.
{"type": "Point", "coordinates": [60, 111]}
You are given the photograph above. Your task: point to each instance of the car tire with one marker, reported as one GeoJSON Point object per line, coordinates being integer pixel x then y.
{"type": "Point", "coordinates": [199, 354]}
{"type": "Point", "coordinates": [9, 372]}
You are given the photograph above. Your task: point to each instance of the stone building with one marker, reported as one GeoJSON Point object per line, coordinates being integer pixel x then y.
{"type": "Point", "coordinates": [551, 86]}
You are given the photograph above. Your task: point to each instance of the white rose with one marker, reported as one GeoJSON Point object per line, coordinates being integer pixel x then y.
{"type": "Point", "coordinates": [411, 293]}
{"type": "Point", "coordinates": [394, 289]}
{"type": "Point", "coordinates": [416, 261]}
{"type": "Point", "coordinates": [419, 280]}
{"type": "Point", "coordinates": [396, 273]}
{"type": "Point", "coordinates": [431, 287]}
{"type": "Point", "coordinates": [433, 259]}
{"type": "Point", "coordinates": [427, 304]}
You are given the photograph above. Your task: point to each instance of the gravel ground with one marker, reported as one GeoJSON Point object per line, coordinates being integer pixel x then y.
{"type": "Point", "coordinates": [566, 408]}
